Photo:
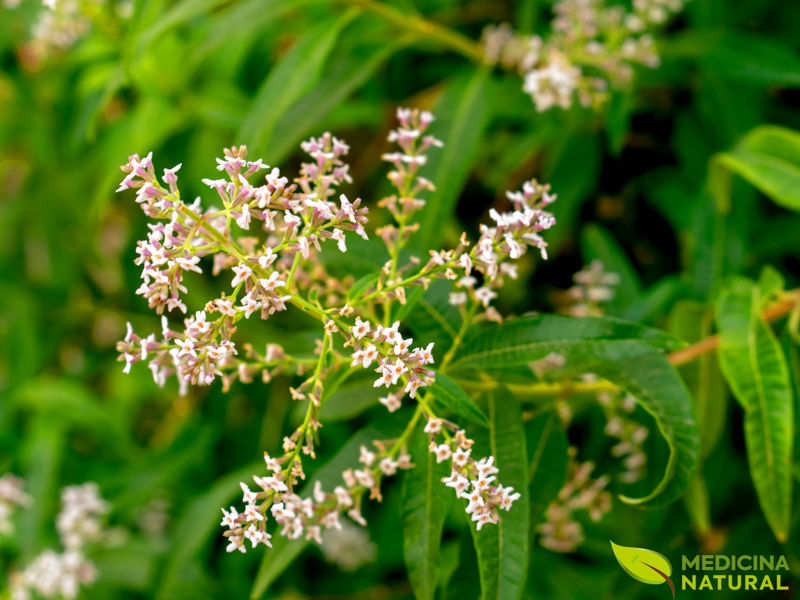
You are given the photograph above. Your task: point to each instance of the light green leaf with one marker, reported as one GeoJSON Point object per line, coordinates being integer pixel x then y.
{"type": "Point", "coordinates": [502, 549]}
{"type": "Point", "coordinates": [294, 74]}
{"type": "Point", "coordinates": [755, 368]}
{"type": "Point", "coordinates": [462, 118]}
{"type": "Point", "coordinates": [632, 364]}
{"type": "Point", "coordinates": [448, 395]}
{"type": "Point", "coordinates": [770, 285]}
{"type": "Point", "coordinates": [426, 502]}
{"type": "Point", "coordinates": [769, 158]}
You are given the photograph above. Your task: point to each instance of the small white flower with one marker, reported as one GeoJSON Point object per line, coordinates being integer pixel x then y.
{"type": "Point", "coordinates": [367, 457]}
{"type": "Point", "coordinates": [443, 452]}
{"type": "Point", "coordinates": [360, 329]}
{"type": "Point", "coordinates": [433, 425]}
{"type": "Point", "coordinates": [243, 272]}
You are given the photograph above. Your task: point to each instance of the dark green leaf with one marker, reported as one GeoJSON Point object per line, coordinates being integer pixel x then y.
{"type": "Point", "coordinates": [547, 461]}
{"type": "Point", "coordinates": [426, 502]}
{"type": "Point", "coordinates": [502, 549]}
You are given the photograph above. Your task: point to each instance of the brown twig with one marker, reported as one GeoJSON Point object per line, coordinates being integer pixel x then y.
{"type": "Point", "coordinates": [771, 313]}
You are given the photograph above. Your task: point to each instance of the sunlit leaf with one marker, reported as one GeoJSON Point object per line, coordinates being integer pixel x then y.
{"type": "Point", "coordinates": [755, 368]}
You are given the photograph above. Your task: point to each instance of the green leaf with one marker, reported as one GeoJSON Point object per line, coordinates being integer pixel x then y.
{"type": "Point", "coordinates": [502, 549]}
{"type": "Point", "coordinates": [361, 286]}
{"type": "Point", "coordinates": [351, 399]}
{"type": "Point", "coordinates": [572, 168]}
{"type": "Point", "coordinates": [426, 502]}
{"type": "Point", "coordinates": [692, 321]}
{"type": "Point", "coordinates": [434, 319]}
{"type": "Point", "coordinates": [462, 118]}
{"type": "Point", "coordinates": [196, 524]}
{"type": "Point", "coordinates": [547, 461]}
{"type": "Point", "coordinates": [294, 74]}
{"type": "Point", "coordinates": [632, 364]}
{"type": "Point", "coordinates": [525, 339]}
{"type": "Point", "coordinates": [448, 395]}
{"type": "Point", "coordinates": [344, 74]}
{"type": "Point", "coordinates": [176, 16]}
{"type": "Point", "coordinates": [770, 285]}
{"type": "Point", "coordinates": [769, 158]}
{"type": "Point", "coordinates": [745, 57]}
{"type": "Point", "coordinates": [755, 368]}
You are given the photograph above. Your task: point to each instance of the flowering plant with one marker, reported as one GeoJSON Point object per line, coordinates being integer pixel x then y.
{"type": "Point", "coordinates": [347, 384]}
{"type": "Point", "coordinates": [357, 330]}
{"type": "Point", "coordinates": [269, 237]}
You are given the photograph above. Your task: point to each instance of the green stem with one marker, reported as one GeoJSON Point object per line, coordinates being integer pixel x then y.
{"type": "Point", "coordinates": [424, 28]}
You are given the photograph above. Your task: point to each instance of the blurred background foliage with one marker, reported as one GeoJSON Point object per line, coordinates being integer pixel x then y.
{"type": "Point", "coordinates": [185, 79]}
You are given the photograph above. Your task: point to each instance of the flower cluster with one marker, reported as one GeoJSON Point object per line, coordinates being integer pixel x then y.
{"type": "Point", "coordinates": [268, 235]}
{"type": "Point", "coordinates": [307, 517]}
{"type": "Point", "coordinates": [60, 575]}
{"type": "Point", "coordinates": [592, 44]}
{"type": "Point", "coordinates": [11, 498]}
{"type": "Point", "coordinates": [630, 433]}
{"type": "Point", "coordinates": [593, 288]}
{"type": "Point", "coordinates": [348, 547]}
{"type": "Point", "coordinates": [473, 480]}
{"type": "Point", "coordinates": [561, 532]}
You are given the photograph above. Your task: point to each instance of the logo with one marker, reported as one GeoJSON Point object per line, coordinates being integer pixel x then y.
{"type": "Point", "coordinates": [644, 565]}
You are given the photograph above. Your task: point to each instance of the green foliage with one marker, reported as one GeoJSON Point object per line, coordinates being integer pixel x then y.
{"type": "Point", "coordinates": [685, 183]}
{"type": "Point", "coordinates": [503, 550]}
{"type": "Point", "coordinates": [755, 368]}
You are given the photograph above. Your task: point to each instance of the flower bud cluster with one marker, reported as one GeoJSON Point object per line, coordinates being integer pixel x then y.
{"type": "Point", "coordinates": [60, 575]}
{"type": "Point", "coordinates": [473, 480]}
{"type": "Point", "coordinates": [592, 44]}
{"type": "Point", "coordinates": [561, 532]}
{"type": "Point", "coordinates": [307, 517]}
{"type": "Point", "coordinates": [593, 288]}
{"type": "Point", "coordinates": [11, 498]}
{"type": "Point", "coordinates": [630, 433]}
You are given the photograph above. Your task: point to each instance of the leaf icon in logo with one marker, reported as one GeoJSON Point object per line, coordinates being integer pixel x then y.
{"type": "Point", "coordinates": [644, 565]}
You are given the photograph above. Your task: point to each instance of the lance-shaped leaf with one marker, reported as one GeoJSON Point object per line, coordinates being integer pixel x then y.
{"type": "Point", "coordinates": [755, 368]}
{"type": "Point", "coordinates": [426, 502]}
{"type": "Point", "coordinates": [502, 549]}
{"type": "Point", "coordinates": [448, 395]}
{"type": "Point", "coordinates": [633, 364]}
{"type": "Point", "coordinates": [290, 78]}
{"type": "Point", "coordinates": [769, 158]}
